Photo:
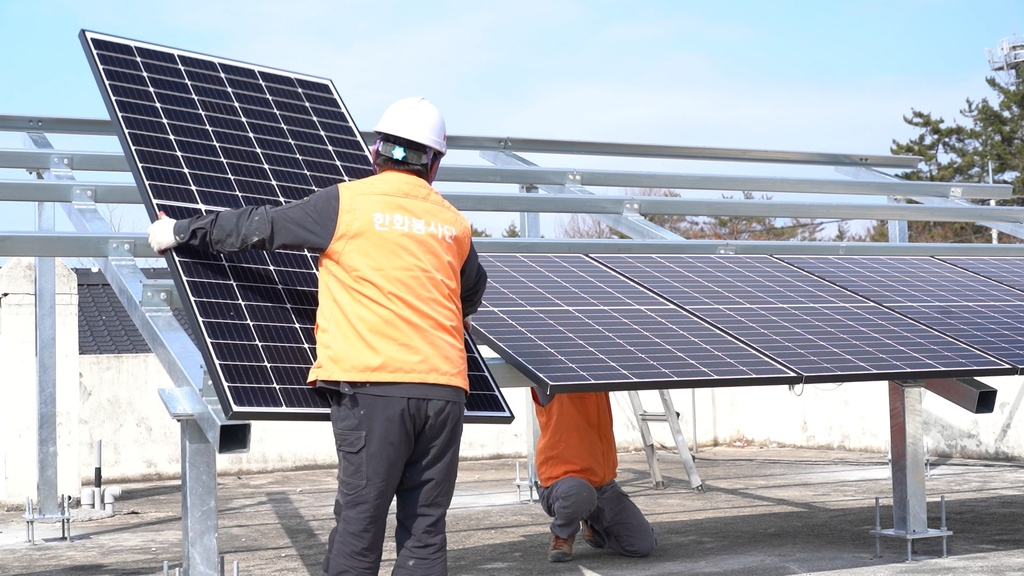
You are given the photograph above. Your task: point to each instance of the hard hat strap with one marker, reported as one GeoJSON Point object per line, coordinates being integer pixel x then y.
{"type": "Point", "coordinates": [403, 154]}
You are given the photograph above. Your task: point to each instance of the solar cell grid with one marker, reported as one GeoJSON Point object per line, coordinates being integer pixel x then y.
{"type": "Point", "coordinates": [571, 324]}
{"type": "Point", "coordinates": [727, 281]}
{"type": "Point", "coordinates": [955, 300]}
{"type": "Point", "coordinates": [208, 134]}
{"type": "Point", "coordinates": [905, 280]}
{"type": "Point", "coordinates": [1009, 271]}
{"type": "Point", "coordinates": [815, 328]}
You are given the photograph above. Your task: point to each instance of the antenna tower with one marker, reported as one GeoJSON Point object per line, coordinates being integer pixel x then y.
{"type": "Point", "coordinates": [1007, 59]}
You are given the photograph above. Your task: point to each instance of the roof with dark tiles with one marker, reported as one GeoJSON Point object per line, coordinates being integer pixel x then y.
{"type": "Point", "coordinates": [104, 326]}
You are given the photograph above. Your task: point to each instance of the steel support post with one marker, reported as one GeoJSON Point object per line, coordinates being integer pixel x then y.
{"type": "Point", "coordinates": [909, 499]}
{"type": "Point", "coordinates": [529, 222]}
{"type": "Point", "coordinates": [898, 231]}
{"type": "Point", "coordinates": [198, 502]}
{"type": "Point", "coordinates": [906, 422]}
{"type": "Point", "coordinates": [46, 342]}
{"type": "Point", "coordinates": [204, 429]}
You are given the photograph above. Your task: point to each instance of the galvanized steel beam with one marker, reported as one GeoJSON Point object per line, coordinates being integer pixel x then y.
{"type": "Point", "coordinates": [73, 244]}
{"type": "Point", "coordinates": [972, 395]}
{"type": "Point", "coordinates": [63, 159]}
{"type": "Point", "coordinates": [56, 125]}
{"type": "Point", "coordinates": [649, 205]}
{"type": "Point", "coordinates": [47, 191]}
{"type": "Point", "coordinates": [593, 246]}
{"type": "Point", "coordinates": [577, 147]}
{"type": "Point", "coordinates": [102, 127]}
{"type": "Point", "coordinates": [567, 177]}
{"type": "Point", "coordinates": [115, 193]}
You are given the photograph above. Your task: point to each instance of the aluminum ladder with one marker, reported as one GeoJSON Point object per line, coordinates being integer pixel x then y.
{"type": "Point", "coordinates": [670, 416]}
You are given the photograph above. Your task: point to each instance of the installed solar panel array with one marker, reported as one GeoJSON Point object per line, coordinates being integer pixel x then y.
{"type": "Point", "coordinates": [816, 329]}
{"type": "Point", "coordinates": [975, 310]}
{"type": "Point", "coordinates": [208, 134]}
{"type": "Point", "coordinates": [571, 324]}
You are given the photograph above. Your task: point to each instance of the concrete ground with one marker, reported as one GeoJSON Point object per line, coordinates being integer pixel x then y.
{"type": "Point", "coordinates": [766, 511]}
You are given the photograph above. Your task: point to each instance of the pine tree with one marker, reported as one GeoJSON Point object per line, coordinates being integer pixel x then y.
{"type": "Point", "coordinates": [512, 231]}
{"type": "Point", "coordinates": [993, 133]}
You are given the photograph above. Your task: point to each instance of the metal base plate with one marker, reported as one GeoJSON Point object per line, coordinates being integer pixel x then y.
{"type": "Point", "coordinates": [929, 533]}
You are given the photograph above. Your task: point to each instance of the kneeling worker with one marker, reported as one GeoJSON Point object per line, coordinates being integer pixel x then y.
{"type": "Point", "coordinates": [576, 463]}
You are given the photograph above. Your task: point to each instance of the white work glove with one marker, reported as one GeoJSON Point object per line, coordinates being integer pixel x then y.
{"type": "Point", "coordinates": [161, 234]}
{"type": "Point", "coordinates": [467, 324]}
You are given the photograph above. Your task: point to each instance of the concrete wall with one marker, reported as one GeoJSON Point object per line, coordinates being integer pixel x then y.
{"type": "Point", "coordinates": [18, 384]}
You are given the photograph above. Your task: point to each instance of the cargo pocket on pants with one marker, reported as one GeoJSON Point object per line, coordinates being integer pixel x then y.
{"type": "Point", "coordinates": [352, 459]}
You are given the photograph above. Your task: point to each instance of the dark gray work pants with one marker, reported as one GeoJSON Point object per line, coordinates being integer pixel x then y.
{"type": "Point", "coordinates": [614, 518]}
{"type": "Point", "coordinates": [392, 447]}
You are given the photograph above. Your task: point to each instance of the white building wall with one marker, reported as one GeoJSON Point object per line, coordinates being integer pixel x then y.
{"type": "Point", "coordinates": [18, 384]}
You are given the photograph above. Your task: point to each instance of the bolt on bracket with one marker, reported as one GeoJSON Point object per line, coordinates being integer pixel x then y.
{"type": "Point", "coordinates": [83, 195]}
{"type": "Point", "coordinates": [60, 162]}
{"type": "Point", "coordinates": [121, 249]}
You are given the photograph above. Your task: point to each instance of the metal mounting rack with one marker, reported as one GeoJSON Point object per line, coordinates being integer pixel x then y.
{"type": "Point", "coordinates": [205, 431]}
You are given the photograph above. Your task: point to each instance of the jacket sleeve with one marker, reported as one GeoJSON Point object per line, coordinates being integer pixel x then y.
{"type": "Point", "coordinates": [474, 282]}
{"type": "Point", "coordinates": [307, 224]}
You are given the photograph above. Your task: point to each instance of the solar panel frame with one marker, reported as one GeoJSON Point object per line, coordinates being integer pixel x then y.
{"type": "Point", "coordinates": [813, 327]}
{"type": "Point", "coordinates": [570, 324]}
{"type": "Point", "coordinates": [203, 134]}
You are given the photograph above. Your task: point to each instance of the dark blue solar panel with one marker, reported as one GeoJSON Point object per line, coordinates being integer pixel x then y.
{"type": "Point", "coordinates": [1007, 270]}
{"type": "Point", "coordinates": [727, 280]}
{"type": "Point", "coordinates": [815, 328]}
{"type": "Point", "coordinates": [571, 324]}
{"type": "Point", "coordinates": [951, 299]}
{"type": "Point", "coordinates": [894, 280]}
{"type": "Point", "coordinates": [207, 134]}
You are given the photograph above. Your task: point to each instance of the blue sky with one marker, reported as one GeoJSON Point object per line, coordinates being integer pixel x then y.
{"type": "Point", "coordinates": [817, 76]}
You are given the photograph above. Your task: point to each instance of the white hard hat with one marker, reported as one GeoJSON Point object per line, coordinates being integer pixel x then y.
{"type": "Point", "coordinates": [414, 119]}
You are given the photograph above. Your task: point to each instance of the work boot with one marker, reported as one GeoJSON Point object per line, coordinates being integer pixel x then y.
{"type": "Point", "coordinates": [589, 537]}
{"type": "Point", "coordinates": [560, 549]}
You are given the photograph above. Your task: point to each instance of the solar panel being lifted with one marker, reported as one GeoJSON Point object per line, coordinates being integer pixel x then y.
{"type": "Point", "coordinates": [205, 134]}
{"type": "Point", "coordinates": [572, 325]}
{"type": "Point", "coordinates": [816, 329]}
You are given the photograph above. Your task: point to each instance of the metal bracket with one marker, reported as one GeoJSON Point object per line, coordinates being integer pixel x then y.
{"type": "Point", "coordinates": [956, 191]}
{"type": "Point", "coordinates": [726, 249]}
{"type": "Point", "coordinates": [121, 249]}
{"type": "Point", "coordinates": [159, 294]}
{"type": "Point", "coordinates": [631, 208]}
{"type": "Point", "coordinates": [83, 195]}
{"type": "Point", "coordinates": [182, 403]}
{"type": "Point", "coordinates": [60, 162]}
{"type": "Point", "coordinates": [574, 178]}
{"type": "Point", "coordinates": [208, 391]}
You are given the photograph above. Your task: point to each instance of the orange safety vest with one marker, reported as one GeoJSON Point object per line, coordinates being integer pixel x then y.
{"type": "Point", "coordinates": [390, 286]}
{"type": "Point", "coordinates": [576, 438]}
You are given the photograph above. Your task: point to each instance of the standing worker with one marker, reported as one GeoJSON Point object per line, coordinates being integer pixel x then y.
{"type": "Point", "coordinates": [399, 278]}
{"type": "Point", "coordinates": [576, 462]}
